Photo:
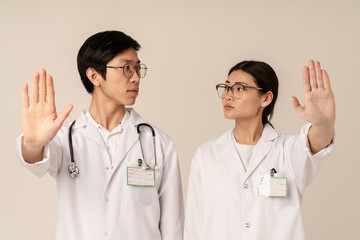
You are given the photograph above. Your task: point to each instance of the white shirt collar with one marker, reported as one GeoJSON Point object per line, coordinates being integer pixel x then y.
{"type": "Point", "coordinates": [97, 125]}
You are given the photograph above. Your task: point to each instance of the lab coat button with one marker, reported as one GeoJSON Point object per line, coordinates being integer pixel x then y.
{"type": "Point", "coordinates": [246, 185]}
{"type": "Point", "coordinates": [105, 233]}
{"type": "Point", "coordinates": [247, 225]}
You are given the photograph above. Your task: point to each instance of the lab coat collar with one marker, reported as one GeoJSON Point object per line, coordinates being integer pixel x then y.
{"type": "Point", "coordinates": [261, 149]}
{"type": "Point", "coordinates": [268, 134]}
{"type": "Point", "coordinates": [93, 134]}
{"type": "Point", "coordinates": [134, 118]}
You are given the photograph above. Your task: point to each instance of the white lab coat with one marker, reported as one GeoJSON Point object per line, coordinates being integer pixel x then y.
{"type": "Point", "coordinates": [98, 203]}
{"type": "Point", "coordinates": [223, 201]}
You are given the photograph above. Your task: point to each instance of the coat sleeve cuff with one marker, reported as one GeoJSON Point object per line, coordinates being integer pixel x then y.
{"type": "Point", "coordinates": [322, 153]}
{"type": "Point", "coordinates": [39, 168]}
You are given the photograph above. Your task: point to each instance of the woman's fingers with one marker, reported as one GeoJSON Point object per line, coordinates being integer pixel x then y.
{"type": "Point", "coordinates": [298, 108]}
{"type": "Point", "coordinates": [314, 77]}
{"type": "Point", "coordinates": [306, 80]}
{"type": "Point", "coordinates": [312, 74]}
{"type": "Point", "coordinates": [319, 78]}
{"type": "Point", "coordinates": [326, 78]}
{"type": "Point", "coordinates": [25, 96]}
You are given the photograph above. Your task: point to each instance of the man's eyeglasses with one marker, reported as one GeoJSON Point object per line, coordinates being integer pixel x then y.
{"type": "Point", "coordinates": [237, 89]}
{"type": "Point", "coordinates": [129, 70]}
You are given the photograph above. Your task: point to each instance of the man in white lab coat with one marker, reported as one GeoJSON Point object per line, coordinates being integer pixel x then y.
{"type": "Point", "coordinates": [106, 197]}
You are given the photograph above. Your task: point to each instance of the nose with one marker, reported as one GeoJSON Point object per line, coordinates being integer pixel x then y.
{"type": "Point", "coordinates": [229, 95]}
{"type": "Point", "coordinates": [135, 78]}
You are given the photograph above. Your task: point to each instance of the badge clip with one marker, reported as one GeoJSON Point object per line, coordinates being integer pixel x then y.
{"type": "Point", "coordinates": [273, 172]}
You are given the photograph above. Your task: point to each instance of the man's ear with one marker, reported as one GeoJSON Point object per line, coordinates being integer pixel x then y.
{"type": "Point", "coordinates": [93, 76]}
{"type": "Point", "coordinates": [267, 99]}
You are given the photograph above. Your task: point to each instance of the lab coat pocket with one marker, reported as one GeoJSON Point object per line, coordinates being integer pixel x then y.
{"type": "Point", "coordinates": [270, 204]}
{"type": "Point", "coordinates": [141, 196]}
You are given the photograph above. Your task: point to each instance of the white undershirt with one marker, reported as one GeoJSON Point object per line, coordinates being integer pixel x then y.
{"type": "Point", "coordinates": [245, 152]}
{"type": "Point", "coordinates": [111, 139]}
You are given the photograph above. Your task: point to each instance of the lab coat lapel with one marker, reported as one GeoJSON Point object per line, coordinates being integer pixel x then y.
{"type": "Point", "coordinates": [259, 154]}
{"type": "Point", "coordinates": [129, 136]}
{"type": "Point", "coordinates": [128, 139]}
{"type": "Point", "coordinates": [229, 153]}
{"type": "Point", "coordinates": [262, 148]}
{"type": "Point", "coordinates": [91, 132]}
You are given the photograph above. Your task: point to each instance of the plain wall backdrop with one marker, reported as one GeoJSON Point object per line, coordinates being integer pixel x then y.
{"type": "Point", "coordinates": [188, 46]}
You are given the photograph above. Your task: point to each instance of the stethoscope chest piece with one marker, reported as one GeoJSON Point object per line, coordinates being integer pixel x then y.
{"type": "Point", "coordinates": [73, 170]}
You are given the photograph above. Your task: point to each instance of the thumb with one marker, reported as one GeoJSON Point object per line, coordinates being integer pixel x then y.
{"type": "Point", "coordinates": [64, 114]}
{"type": "Point", "coordinates": [298, 108]}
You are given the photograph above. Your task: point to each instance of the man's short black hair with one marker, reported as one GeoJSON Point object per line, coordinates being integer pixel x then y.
{"type": "Point", "coordinates": [98, 50]}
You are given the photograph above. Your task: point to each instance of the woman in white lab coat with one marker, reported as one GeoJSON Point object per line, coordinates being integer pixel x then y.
{"type": "Point", "coordinates": [248, 183]}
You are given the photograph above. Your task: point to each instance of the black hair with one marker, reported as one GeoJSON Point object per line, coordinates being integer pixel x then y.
{"type": "Point", "coordinates": [265, 78]}
{"type": "Point", "coordinates": [98, 50]}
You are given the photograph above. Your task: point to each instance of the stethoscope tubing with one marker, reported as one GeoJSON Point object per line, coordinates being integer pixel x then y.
{"type": "Point", "coordinates": [142, 151]}
{"type": "Point", "coordinates": [74, 170]}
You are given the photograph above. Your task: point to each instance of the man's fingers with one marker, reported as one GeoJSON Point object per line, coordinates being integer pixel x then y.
{"type": "Point", "coordinates": [50, 92]}
{"type": "Point", "coordinates": [25, 96]}
{"type": "Point", "coordinates": [63, 115]}
{"type": "Point", "coordinates": [35, 88]}
{"type": "Point", "coordinates": [42, 86]}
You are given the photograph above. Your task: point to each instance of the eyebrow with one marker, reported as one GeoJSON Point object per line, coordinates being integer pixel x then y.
{"type": "Point", "coordinates": [129, 61]}
{"type": "Point", "coordinates": [242, 83]}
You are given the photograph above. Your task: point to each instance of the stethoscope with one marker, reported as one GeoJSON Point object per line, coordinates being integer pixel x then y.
{"type": "Point", "coordinates": [74, 170]}
{"type": "Point", "coordinates": [140, 163]}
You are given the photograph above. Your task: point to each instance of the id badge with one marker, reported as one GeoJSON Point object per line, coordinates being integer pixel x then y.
{"type": "Point", "coordinates": [136, 176]}
{"type": "Point", "coordinates": [272, 186]}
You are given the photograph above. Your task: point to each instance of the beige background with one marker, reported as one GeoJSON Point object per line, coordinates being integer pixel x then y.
{"type": "Point", "coordinates": [188, 46]}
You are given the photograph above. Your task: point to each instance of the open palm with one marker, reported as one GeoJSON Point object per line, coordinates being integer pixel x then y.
{"type": "Point", "coordinates": [39, 120]}
{"type": "Point", "coordinates": [319, 103]}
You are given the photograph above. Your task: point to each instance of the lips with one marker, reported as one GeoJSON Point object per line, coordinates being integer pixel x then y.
{"type": "Point", "coordinates": [133, 91]}
{"type": "Point", "coordinates": [228, 107]}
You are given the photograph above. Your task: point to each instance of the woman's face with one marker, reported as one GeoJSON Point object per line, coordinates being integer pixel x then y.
{"type": "Point", "coordinates": [250, 106]}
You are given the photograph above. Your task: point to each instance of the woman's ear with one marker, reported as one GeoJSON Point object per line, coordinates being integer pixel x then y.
{"type": "Point", "coordinates": [267, 99]}
{"type": "Point", "coordinates": [93, 76]}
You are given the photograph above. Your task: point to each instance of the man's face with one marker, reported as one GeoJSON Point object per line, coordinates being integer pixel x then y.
{"type": "Point", "coordinates": [117, 88]}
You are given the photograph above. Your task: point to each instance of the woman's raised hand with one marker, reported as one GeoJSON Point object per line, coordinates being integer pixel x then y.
{"type": "Point", "coordinates": [319, 106]}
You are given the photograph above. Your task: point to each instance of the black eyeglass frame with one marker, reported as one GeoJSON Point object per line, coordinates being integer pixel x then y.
{"type": "Point", "coordinates": [136, 68]}
{"type": "Point", "coordinates": [226, 87]}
